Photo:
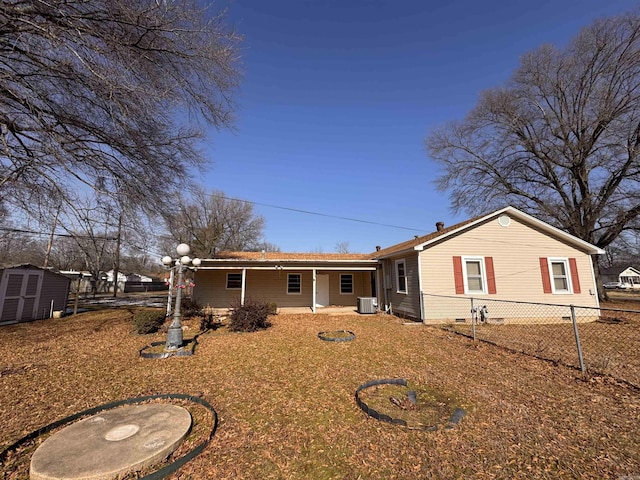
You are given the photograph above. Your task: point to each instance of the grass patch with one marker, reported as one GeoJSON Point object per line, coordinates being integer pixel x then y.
{"type": "Point", "coordinates": [417, 405]}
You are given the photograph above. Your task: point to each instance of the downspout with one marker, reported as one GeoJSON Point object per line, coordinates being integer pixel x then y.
{"type": "Point", "coordinates": [420, 299]}
{"type": "Point", "coordinates": [593, 282]}
{"type": "Point", "coordinates": [244, 282]}
{"type": "Point", "coordinates": [379, 289]}
{"type": "Point", "coordinates": [313, 295]}
{"type": "Point", "coordinates": [384, 285]}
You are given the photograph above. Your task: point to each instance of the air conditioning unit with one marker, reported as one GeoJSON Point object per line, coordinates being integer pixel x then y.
{"type": "Point", "coordinates": [367, 305]}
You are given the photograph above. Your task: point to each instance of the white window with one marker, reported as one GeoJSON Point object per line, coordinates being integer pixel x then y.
{"type": "Point", "coordinates": [346, 284]}
{"type": "Point", "coordinates": [294, 284]}
{"type": "Point", "coordinates": [401, 276]}
{"type": "Point", "coordinates": [560, 275]}
{"type": "Point", "coordinates": [475, 280]}
{"type": "Point", "coordinates": [234, 281]}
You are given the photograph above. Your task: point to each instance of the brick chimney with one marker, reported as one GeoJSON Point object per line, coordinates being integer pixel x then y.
{"type": "Point", "coordinates": [439, 226]}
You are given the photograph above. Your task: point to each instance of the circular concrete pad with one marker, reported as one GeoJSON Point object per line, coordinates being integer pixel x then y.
{"type": "Point", "coordinates": [112, 443]}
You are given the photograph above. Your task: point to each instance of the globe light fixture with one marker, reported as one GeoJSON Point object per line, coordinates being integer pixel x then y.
{"type": "Point", "coordinates": [174, 334]}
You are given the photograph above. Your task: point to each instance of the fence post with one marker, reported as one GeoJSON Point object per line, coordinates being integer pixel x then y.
{"type": "Point", "coordinates": [473, 320]}
{"type": "Point", "coordinates": [575, 332]}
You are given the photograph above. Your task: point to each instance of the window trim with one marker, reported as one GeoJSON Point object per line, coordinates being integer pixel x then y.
{"type": "Point", "coordinates": [483, 275]}
{"type": "Point", "coordinates": [567, 275]}
{"type": "Point", "coordinates": [405, 276]}
{"type": "Point", "coordinates": [289, 275]}
{"type": "Point", "coordinates": [227, 283]}
{"type": "Point", "coordinates": [346, 275]}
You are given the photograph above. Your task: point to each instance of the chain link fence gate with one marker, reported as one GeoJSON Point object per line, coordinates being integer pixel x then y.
{"type": "Point", "coordinates": [594, 340]}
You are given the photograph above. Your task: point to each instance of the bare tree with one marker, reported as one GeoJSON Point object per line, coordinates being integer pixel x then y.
{"type": "Point", "coordinates": [92, 226]}
{"type": "Point", "coordinates": [109, 92]}
{"type": "Point", "coordinates": [66, 254]}
{"type": "Point", "coordinates": [560, 140]}
{"type": "Point", "coordinates": [342, 247]}
{"type": "Point", "coordinates": [266, 246]}
{"type": "Point", "coordinates": [210, 222]}
{"type": "Point", "coordinates": [18, 246]}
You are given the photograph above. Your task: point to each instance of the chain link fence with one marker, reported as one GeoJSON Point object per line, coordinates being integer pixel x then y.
{"type": "Point", "coordinates": [594, 340]}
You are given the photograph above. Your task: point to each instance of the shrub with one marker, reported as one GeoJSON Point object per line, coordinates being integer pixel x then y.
{"type": "Point", "coordinates": [148, 321]}
{"type": "Point", "coordinates": [190, 308]}
{"type": "Point", "coordinates": [251, 316]}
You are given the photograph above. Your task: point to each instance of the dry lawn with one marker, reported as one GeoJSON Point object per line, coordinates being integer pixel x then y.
{"type": "Point", "coordinates": [285, 399]}
{"type": "Point", "coordinates": [610, 345]}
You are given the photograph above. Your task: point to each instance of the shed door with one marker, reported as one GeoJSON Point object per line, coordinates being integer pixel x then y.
{"type": "Point", "coordinates": [20, 290]}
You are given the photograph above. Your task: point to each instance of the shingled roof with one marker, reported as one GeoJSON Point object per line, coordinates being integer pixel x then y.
{"type": "Point", "coordinates": [410, 244]}
{"type": "Point", "coordinates": [283, 256]}
{"type": "Point", "coordinates": [290, 256]}
{"type": "Point", "coordinates": [405, 246]}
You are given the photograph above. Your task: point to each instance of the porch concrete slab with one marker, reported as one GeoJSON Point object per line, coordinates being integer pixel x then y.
{"type": "Point", "coordinates": [112, 443]}
{"type": "Point", "coordinates": [295, 310]}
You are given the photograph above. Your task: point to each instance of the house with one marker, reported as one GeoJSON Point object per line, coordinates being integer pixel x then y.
{"type": "Point", "coordinates": [505, 255]}
{"type": "Point", "coordinates": [286, 279]}
{"type": "Point", "coordinates": [134, 282]}
{"type": "Point", "coordinates": [28, 292]}
{"type": "Point", "coordinates": [80, 281]}
{"type": "Point", "coordinates": [630, 277]}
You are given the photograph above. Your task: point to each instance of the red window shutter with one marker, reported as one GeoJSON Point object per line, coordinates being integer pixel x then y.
{"type": "Point", "coordinates": [491, 276]}
{"type": "Point", "coordinates": [575, 279]}
{"type": "Point", "coordinates": [457, 274]}
{"type": "Point", "coordinates": [544, 270]}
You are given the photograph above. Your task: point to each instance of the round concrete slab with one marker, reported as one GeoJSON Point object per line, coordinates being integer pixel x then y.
{"type": "Point", "coordinates": [112, 443]}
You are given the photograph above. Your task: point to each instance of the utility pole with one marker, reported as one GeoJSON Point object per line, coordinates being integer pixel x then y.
{"type": "Point", "coordinates": [50, 244]}
{"type": "Point", "coordinates": [116, 267]}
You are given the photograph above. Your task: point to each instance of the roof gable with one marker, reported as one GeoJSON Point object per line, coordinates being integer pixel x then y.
{"type": "Point", "coordinates": [630, 272]}
{"type": "Point", "coordinates": [421, 243]}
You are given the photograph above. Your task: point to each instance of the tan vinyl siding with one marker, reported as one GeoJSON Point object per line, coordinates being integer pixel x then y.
{"type": "Point", "coordinates": [361, 287]}
{"type": "Point", "coordinates": [270, 285]}
{"type": "Point", "coordinates": [516, 251]}
{"type": "Point", "coordinates": [404, 304]}
{"type": "Point", "coordinates": [211, 289]}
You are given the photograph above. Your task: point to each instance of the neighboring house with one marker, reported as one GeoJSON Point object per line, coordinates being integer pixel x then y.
{"type": "Point", "coordinates": [134, 282]}
{"type": "Point", "coordinates": [28, 292]}
{"type": "Point", "coordinates": [505, 255]}
{"type": "Point", "coordinates": [630, 277]}
{"type": "Point", "coordinates": [80, 281]}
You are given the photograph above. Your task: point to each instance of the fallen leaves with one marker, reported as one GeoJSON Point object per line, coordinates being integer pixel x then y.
{"type": "Point", "coordinates": [285, 399]}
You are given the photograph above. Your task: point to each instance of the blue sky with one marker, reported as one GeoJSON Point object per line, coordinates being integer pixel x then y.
{"type": "Point", "coordinates": [338, 96]}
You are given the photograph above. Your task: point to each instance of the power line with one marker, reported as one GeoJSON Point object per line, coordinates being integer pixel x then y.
{"type": "Point", "coordinates": [320, 214]}
{"type": "Point", "coordinates": [67, 235]}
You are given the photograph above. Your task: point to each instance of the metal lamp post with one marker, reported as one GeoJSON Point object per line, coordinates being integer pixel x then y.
{"type": "Point", "coordinates": [174, 334]}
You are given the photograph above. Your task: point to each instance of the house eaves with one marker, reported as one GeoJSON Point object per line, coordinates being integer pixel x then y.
{"type": "Point", "coordinates": [288, 261]}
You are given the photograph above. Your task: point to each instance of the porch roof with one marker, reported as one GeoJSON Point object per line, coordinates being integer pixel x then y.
{"type": "Point", "coordinates": [289, 261]}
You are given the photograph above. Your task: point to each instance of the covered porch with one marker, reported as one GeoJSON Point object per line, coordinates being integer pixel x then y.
{"type": "Point", "coordinates": [289, 283]}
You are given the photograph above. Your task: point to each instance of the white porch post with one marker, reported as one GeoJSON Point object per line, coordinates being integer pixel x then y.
{"type": "Point", "coordinates": [244, 282]}
{"type": "Point", "coordinates": [313, 299]}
